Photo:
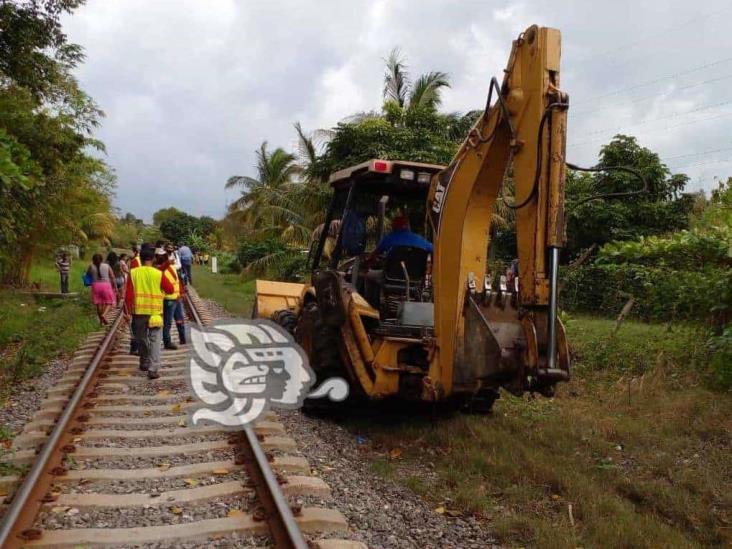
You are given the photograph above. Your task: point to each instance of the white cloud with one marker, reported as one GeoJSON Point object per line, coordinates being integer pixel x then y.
{"type": "Point", "coordinates": [192, 88]}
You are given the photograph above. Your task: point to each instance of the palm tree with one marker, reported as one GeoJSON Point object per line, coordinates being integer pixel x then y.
{"type": "Point", "coordinates": [275, 171]}
{"type": "Point", "coordinates": [396, 79]}
{"type": "Point", "coordinates": [401, 96]}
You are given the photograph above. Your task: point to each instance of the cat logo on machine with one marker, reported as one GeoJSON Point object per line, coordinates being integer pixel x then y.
{"type": "Point", "coordinates": [438, 200]}
{"type": "Point", "coordinates": [439, 195]}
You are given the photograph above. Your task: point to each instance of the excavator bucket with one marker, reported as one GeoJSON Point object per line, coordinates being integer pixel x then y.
{"type": "Point", "coordinates": [277, 296]}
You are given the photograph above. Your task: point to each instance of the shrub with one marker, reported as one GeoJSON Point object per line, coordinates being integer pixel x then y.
{"type": "Point", "coordinates": [228, 263]}
{"type": "Point", "coordinates": [251, 250]}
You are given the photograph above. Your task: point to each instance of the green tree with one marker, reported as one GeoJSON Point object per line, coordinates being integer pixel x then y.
{"type": "Point", "coordinates": [266, 202]}
{"type": "Point", "coordinates": [664, 208]}
{"type": "Point", "coordinates": [401, 96]}
{"type": "Point", "coordinates": [178, 228]}
{"type": "Point", "coordinates": [164, 214]}
{"type": "Point", "coordinates": [52, 190]}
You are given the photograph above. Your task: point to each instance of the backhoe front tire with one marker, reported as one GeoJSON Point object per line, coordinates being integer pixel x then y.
{"type": "Point", "coordinates": [285, 318]}
{"type": "Point", "coordinates": [325, 356]}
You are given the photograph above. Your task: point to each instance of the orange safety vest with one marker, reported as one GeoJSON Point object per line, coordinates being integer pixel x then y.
{"type": "Point", "coordinates": [172, 276]}
{"type": "Point", "coordinates": [148, 294]}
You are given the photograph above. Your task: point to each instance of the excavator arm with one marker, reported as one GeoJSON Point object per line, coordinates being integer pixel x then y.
{"type": "Point", "coordinates": [488, 335]}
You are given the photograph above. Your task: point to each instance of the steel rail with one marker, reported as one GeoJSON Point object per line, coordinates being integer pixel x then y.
{"type": "Point", "coordinates": [26, 502]}
{"type": "Point", "coordinates": [282, 524]}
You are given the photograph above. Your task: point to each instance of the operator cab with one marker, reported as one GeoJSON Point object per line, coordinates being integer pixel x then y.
{"type": "Point", "coordinates": [370, 200]}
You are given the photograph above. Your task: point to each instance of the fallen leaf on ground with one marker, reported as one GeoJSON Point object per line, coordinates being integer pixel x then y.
{"type": "Point", "coordinates": [191, 482]}
{"type": "Point", "coordinates": [235, 513]}
{"type": "Point", "coordinates": [176, 510]}
{"type": "Point", "coordinates": [394, 453]}
{"type": "Point", "coordinates": [220, 471]}
{"type": "Point", "coordinates": [163, 393]}
{"type": "Point", "coordinates": [440, 510]}
{"type": "Point", "coordinates": [60, 509]}
{"type": "Point", "coordinates": [72, 511]}
{"type": "Point", "coordinates": [181, 423]}
{"type": "Point", "coordinates": [175, 408]}
{"type": "Point", "coordinates": [164, 466]}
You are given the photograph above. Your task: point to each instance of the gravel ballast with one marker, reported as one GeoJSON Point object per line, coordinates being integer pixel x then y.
{"type": "Point", "coordinates": [384, 514]}
{"type": "Point", "coordinates": [27, 397]}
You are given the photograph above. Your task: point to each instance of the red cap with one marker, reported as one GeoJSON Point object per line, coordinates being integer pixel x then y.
{"type": "Point", "coordinates": [400, 222]}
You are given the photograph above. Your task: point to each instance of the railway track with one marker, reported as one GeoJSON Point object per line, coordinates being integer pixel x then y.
{"type": "Point", "coordinates": [111, 462]}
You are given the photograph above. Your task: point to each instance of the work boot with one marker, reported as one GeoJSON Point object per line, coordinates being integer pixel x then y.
{"type": "Point", "coordinates": [171, 346]}
{"type": "Point", "coordinates": [143, 368]}
{"type": "Point", "coordinates": [153, 375]}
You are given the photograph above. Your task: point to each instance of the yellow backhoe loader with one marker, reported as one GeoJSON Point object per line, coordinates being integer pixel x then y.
{"type": "Point", "coordinates": [437, 326]}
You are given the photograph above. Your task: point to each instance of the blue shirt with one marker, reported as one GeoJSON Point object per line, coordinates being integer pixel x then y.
{"type": "Point", "coordinates": [402, 237]}
{"type": "Point", "coordinates": [185, 253]}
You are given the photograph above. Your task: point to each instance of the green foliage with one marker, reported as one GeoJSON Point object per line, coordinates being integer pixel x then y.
{"type": "Point", "coordinates": [164, 214]}
{"type": "Point", "coordinates": [663, 209]}
{"type": "Point", "coordinates": [228, 263]}
{"type": "Point", "coordinates": [637, 348]}
{"type": "Point", "coordinates": [52, 191]}
{"type": "Point", "coordinates": [34, 331]}
{"type": "Point", "coordinates": [683, 250]}
{"type": "Point", "coordinates": [251, 251]}
{"type": "Point", "coordinates": [423, 138]}
{"type": "Point", "coordinates": [721, 361]}
{"type": "Point", "coordinates": [660, 293]}
{"type": "Point", "coordinates": [182, 228]}
{"type": "Point", "coordinates": [232, 291]}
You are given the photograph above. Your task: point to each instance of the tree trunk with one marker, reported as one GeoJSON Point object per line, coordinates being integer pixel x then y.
{"type": "Point", "coordinates": [18, 266]}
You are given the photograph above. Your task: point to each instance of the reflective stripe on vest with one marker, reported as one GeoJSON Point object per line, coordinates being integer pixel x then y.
{"type": "Point", "coordinates": [148, 295]}
{"type": "Point", "coordinates": [172, 276]}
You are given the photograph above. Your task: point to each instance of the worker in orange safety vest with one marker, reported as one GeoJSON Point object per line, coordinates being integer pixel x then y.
{"type": "Point", "coordinates": [144, 295]}
{"type": "Point", "coordinates": [172, 305]}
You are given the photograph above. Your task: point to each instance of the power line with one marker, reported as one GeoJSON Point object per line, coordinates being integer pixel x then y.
{"type": "Point", "coordinates": [649, 36]}
{"type": "Point", "coordinates": [707, 162]}
{"type": "Point", "coordinates": [656, 80]}
{"type": "Point", "coordinates": [723, 115]}
{"type": "Point", "coordinates": [672, 115]}
{"type": "Point", "coordinates": [647, 97]}
{"type": "Point", "coordinates": [698, 154]}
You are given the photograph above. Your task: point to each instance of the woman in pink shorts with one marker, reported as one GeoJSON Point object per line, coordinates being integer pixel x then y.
{"type": "Point", "coordinates": [102, 292]}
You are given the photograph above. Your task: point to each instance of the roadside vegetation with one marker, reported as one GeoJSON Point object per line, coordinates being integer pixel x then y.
{"type": "Point", "coordinates": [231, 291]}
{"type": "Point", "coordinates": [54, 189]}
{"type": "Point", "coordinates": [35, 330]}
{"type": "Point", "coordinates": [633, 452]}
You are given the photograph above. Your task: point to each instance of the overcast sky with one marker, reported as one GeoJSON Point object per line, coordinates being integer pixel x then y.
{"type": "Point", "coordinates": [192, 87]}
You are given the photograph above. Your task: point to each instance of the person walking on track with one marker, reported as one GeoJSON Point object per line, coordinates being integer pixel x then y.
{"type": "Point", "coordinates": [133, 264]}
{"type": "Point", "coordinates": [63, 264]}
{"type": "Point", "coordinates": [186, 260]}
{"type": "Point", "coordinates": [144, 295]}
{"type": "Point", "coordinates": [172, 306]}
{"type": "Point", "coordinates": [102, 292]}
{"type": "Point", "coordinates": [135, 261]}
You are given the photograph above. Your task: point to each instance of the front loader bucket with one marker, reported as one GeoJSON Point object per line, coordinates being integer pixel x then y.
{"type": "Point", "coordinates": [277, 296]}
